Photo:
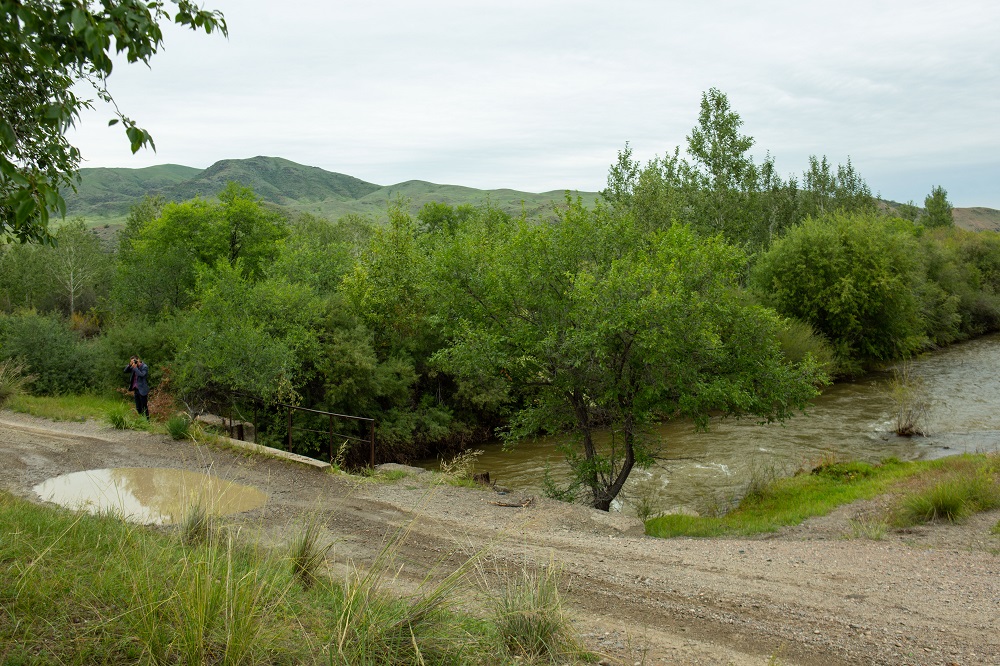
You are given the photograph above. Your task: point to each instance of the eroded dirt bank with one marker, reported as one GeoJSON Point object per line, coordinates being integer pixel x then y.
{"type": "Point", "coordinates": [809, 596]}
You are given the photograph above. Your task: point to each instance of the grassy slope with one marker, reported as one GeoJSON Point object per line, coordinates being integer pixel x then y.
{"type": "Point", "coordinates": [105, 195]}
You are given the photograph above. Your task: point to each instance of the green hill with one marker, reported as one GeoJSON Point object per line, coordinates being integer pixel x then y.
{"type": "Point", "coordinates": [106, 195]}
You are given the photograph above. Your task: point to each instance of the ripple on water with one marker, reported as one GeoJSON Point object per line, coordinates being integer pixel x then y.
{"type": "Point", "coordinates": [148, 495]}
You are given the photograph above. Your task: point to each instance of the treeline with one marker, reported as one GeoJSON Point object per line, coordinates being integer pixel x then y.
{"type": "Point", "coordinates": [701, 282]}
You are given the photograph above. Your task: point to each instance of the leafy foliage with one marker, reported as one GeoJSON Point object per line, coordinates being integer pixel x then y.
{"type": "Point", "coordinates": [590, 323]}
{"type": "Point", "coordinates": [47, 48]}
{"type": "Point", "coordinates": [938, 209]}
{"type": "Point", "coordinates": [849, 276]}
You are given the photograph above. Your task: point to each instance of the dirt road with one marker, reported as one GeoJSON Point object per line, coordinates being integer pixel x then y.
{"type": "Point", "coordinates": [805, 596]}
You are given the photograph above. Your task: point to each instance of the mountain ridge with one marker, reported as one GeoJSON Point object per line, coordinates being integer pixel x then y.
{"type": "Point", "coordinates": [106, 194]}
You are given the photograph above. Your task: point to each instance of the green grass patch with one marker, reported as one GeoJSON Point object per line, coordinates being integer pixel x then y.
{"type": "Point", "coordinates": [64, 407]}
{"type": "Point", "coordinates": [952, 499]}
{"type": "Point", "coordinates": [81, 589]}
{"type": "Point", "coordinates": [122, 416]}
{"type": "Point", "coordinates": [791, 500]}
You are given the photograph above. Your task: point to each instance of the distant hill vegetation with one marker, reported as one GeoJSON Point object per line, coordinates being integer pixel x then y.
{"type": "Point", "coordinates": [105, 195]}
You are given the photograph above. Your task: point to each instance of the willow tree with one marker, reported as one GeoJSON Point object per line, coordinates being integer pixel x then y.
{"type": "Point", "coordinates": [592, 324]}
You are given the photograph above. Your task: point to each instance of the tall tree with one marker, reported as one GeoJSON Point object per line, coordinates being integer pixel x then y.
{"type": "Point", "coordinates": [593, 324]}
{"type": "Point", "coordinates": [77, 264]}
{"type": "Point", "coordinates": [939, 213]}
{"type": "Point", "coordinates": [47, 47]}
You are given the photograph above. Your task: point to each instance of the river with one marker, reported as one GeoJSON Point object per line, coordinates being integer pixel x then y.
{"type": "Point", "coordinates": [701, 471]}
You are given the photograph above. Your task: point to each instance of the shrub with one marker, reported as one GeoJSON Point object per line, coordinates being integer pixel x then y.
{"type": "Point", "coordinates": [853, 278]}
{"type": "Point", "coordinates": [798, 340]}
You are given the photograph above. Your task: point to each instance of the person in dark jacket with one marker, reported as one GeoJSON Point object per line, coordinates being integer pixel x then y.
{"type": "Point", "coordinates": [138, 383]}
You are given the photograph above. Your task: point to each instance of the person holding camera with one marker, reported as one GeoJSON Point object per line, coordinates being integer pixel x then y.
{"type": "Point", "coordinates": [139, 384]}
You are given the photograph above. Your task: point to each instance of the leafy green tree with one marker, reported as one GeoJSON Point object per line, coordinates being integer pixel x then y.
{"type": "Point", "coordinates": [827, 190]}
{"type": "Point", "coordinates": [247, 337]}
{"type": "Point", "coordinates": [852, 277]}
{"type": "Point", "coordinates": [939, 213]}
{"type": "Point", "coordinates": [592, 324]}
{"type": "Point", "coordinates": [319, 253]}
{"type": "Point", "coordinates": [161, 257]}
{"type": "Point", "coordinates": [47, 47]}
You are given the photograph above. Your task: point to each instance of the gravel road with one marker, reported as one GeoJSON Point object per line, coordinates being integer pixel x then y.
{"type": "Point", "coordinates": [808, 595]}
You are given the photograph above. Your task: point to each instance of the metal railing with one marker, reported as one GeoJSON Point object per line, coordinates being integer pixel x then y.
{"type": "Point", "coordinates": [330, 431]}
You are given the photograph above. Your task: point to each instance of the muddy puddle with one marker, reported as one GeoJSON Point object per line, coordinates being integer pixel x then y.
{"type": "Point", "coordinates": [147, 495]}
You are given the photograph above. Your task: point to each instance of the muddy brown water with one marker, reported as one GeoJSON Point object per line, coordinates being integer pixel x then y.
{"type": "Point", "coordinates": [699, 471]}
{"type": "Point", "coordinates": [148, 495]}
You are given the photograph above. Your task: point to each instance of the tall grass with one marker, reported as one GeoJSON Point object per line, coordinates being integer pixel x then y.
{"type": "Point", "coordinates": [529, 614]}
{"type": "Point", "coordinates": [943, 489]}
{"type": "Point", "coordinates": [13, 380]}
{"type": "Point", "coordinates": [307, 554]}
{"type": "Point", "coordinates": [95, 589]}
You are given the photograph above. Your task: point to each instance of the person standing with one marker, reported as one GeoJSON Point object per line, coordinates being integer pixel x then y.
{"type": "Point", "coordinates": [139, 384]}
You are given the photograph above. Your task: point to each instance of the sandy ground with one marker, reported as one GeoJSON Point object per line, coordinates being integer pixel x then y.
{"type": "Point", "coordinates": [805, 596]}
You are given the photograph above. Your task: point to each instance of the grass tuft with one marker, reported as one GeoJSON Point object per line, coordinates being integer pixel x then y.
{"type": "Point", "coordinates": [122, 417]}
{"type": "Point", "coordinates": [13, 380]}
{"type": "Point", "coordinates": [529, 615]}
{"type": "Point", "coordinates": [868, 528]}
{"type": "Point", "coordinates": [196, 525]}
{"type": "Point", "coordinates": [952, 499]}
{"type": "Point", "coordinates": [307, 555]}
{"type": "Point", "coordinates": [179, 427]}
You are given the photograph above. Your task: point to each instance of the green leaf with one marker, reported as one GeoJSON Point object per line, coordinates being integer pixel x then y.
{"type": "Point", "coordinates": [24, 210]}
{"type": "Point", "coordinates": [113, 121]}
{"type": "Point", "coordinates": [7, 137]}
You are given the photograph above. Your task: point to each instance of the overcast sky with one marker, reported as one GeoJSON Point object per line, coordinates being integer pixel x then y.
{"type": "Point", "coordinates": [540, 95]}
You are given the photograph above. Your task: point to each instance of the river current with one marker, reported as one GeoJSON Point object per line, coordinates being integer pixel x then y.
{"type": "Point", "coordinates": [700, 471]}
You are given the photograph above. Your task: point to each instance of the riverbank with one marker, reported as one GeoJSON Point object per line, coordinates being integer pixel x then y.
{"type": "Point", "coordinates": [925, 595]}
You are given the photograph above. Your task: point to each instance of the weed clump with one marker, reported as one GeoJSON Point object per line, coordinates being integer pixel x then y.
{"type": "Point", "coordinates": [13, 380]}
{"type": "Point", "coordinates": [307, 555]}
{"type": "Point", "coordinates": [952, 500]}
{"type": "Point", "coordinates": [529, 615]}
{"type": "Point", "coordinates": [123, 417]}
{"type": "Point", "coordinates": [179, 427]}
{"type": "Point", "coordinates": [845, 472]}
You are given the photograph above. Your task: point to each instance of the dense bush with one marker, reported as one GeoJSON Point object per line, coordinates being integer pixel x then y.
{"type": "Point", "coordinates": [61, 361]}
{"type": "Point", "coordinates": [852, 278]}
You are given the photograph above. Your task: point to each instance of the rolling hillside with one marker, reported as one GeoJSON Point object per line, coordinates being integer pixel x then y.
{"type": "Point", "coordinates": [106, 195]}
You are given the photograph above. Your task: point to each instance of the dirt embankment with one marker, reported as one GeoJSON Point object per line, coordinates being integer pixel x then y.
{"type": "Point", "coordinates": [808, 595]}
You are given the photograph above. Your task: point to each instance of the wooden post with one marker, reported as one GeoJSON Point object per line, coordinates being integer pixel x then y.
{"type": "Point", "coordinates": [372, 434]}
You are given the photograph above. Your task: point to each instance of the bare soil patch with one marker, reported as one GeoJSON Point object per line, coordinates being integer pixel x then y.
{"type": "Point", "coordinates": [808, 595]}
